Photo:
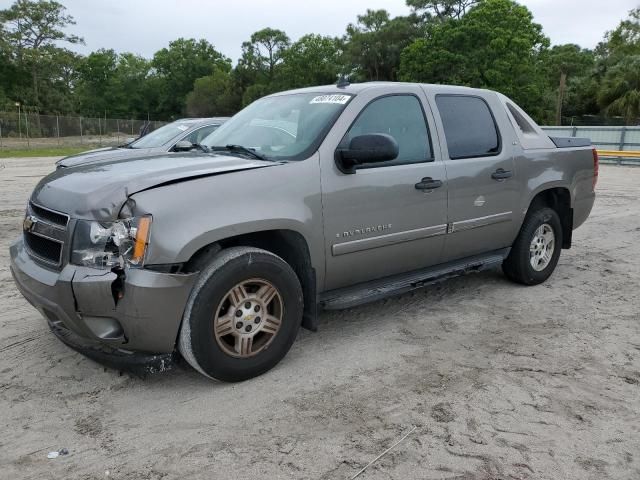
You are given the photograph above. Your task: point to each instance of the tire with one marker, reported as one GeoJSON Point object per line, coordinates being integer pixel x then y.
{"type": "Point", "coordinates": [224, 352]}
{"type": "Point", "coordinates": [530, 248]}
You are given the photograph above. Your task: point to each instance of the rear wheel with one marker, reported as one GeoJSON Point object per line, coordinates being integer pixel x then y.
{"type": "Point", "coordinates": [536, 251]}
{"type": "Point", "coordinates": [242, 316]}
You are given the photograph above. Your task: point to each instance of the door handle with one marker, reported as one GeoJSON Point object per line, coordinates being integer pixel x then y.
{"type": "Point", "coordinates": [428, 183]}
{"type": "Point", "coordinates": [501, 174]}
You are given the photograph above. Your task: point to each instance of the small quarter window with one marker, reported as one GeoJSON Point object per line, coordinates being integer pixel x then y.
{"type": "Point", "coordinates": [522, 123]}
{"type": "Point", "coordinates": [469, 126]}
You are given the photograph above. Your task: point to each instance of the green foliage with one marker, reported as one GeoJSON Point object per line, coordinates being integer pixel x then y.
{"type": "Point", "coordinates": [618, 70]}
{"type": "Point", "coordinates": [622, 42]}
{"type": "Point", "coordinates": [374, 44]}
{"type": "Point", "coordinates": [32, 31]}
{"type": "Point", "coordinates": [256, 91]}
{"type": "Point", "coordinates": [567, 65]}
{"type": "Point", "coordinates": [177, 68]}
{"type": "Point", "coordinates": [41, 152]}
{"type": "Point", "coordinates": [482, 43]}
{"type": "Point", "coordinates": [441, 9]}
{"type": "Point", "coordinates": [495, 45]}
{"type": "Point", "coordinates": [312, 60]}
{"type": "Point", "coordinates": [268, 45]}
{"type": "Point", "coordinates": [213, 96]}
{"type": "Point", "coordinates": [113, 85]}
{"type": "Point", "coordinates": [620, 91]}
{"type": "Point", "coordinates": [569, 59]}
{"type": "Point", "coordinates": [30, 25]}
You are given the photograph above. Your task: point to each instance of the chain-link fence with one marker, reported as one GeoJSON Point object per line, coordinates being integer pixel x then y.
{"type": "Point", "coordinates": [32, 130]}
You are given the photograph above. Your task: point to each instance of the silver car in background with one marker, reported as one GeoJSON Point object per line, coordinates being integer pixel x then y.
{"type": "Point", "coordinates": [181, 135]}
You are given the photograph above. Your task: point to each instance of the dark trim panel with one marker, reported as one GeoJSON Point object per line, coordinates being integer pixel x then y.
{"type": "Point", "coordinates": [366, 292]}
{"type": "Point", "coordinates": [569, 142]}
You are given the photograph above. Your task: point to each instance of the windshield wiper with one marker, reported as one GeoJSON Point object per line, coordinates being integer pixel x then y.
{"type": "Point", "coordinates": [238, 148]}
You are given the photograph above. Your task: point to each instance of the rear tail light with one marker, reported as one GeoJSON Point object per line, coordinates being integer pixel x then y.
{"type": "Point", "coordinates": [596, 168]}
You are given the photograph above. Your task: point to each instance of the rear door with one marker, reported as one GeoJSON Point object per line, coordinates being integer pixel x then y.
{"type": "Point", "coordinates": [384, 219]}
{"type": "Point", "coordinates": [482, 194]}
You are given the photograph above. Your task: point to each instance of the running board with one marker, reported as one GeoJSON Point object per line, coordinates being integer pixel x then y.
{"type": "Point", "coordinates": [371, 291]}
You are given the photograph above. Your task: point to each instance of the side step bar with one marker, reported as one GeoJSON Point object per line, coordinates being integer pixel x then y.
{"type": "Point", "coordinates": [366, 292]}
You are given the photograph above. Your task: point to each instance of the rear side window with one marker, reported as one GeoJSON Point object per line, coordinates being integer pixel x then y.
{"type": "Point", "coordinates": [468, 126]}
{"type": "Point", "coordinates": [400, 116]}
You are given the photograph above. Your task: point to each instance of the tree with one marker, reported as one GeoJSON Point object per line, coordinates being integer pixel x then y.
{"type": "Point", "coordinates": [620, 90]}
{"type": "Point", "coordinates": [312, 60]}
{"type": "Point", "coordinates": [623, 41]}
{"type": "Point", "coordinates": [441, 9]}
{"type": "Point", "coordinates": [33, 29]}
{"type": "Point", "coordinates": [495, 45]}
{"type": "Point", "coordinates": [268, 46]}
{"type": "Point", "coordinates": [57, 90]}
{"type": "Point", "coordinates": [258, 66]}
{"type": "Point", "coordinates": [213, 95]}
{"type": "Point", "coordinates": [178, 66]}
{"type": "Point", "coordinates": [373, 45]}
{"type": "Point", "coordinates": [113, 84]}
{"type": "Point", "coordinates": [564, 62]}
{"type": "Point", "coordinates": [618, 74]}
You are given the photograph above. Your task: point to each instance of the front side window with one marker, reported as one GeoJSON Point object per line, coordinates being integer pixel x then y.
{"type": "Point", "coordinates": [162, 135]}
{"type": "Point", "coordinates": [469, 126]}
{"type": "Point", "coordinates": [400, 116]}
{"type": "Point", "coordinates": [200, 134]}
{"type": "Point", "coordinates": [283, 127]}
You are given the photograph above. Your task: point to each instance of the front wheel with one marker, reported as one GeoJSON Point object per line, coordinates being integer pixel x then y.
{"type": "Point", "coordinates": [536, 251]}
{"type": "Point", "coordinates": [242, 316]}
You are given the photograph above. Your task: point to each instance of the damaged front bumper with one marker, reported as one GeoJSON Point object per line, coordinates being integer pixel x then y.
{"type": "Point", "coordinates": [128, 321]}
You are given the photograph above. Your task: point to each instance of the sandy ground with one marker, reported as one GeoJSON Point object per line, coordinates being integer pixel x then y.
{"type": "Point", "coordinates": [501, 381]}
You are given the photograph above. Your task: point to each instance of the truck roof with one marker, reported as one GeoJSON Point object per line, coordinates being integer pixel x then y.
{"type": "Point", "coordinates": [356, 88]}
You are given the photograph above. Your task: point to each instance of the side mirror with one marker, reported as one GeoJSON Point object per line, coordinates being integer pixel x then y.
{"type": "Point", "coordinates": [369, 148]}
{"type": "Point", "coordinates": [183, 146]}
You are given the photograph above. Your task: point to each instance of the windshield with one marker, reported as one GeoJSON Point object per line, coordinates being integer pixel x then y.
{"type": "Point", "coordinates": [284, 127]}
{"type": "Point", "coordinates": [162, 135]}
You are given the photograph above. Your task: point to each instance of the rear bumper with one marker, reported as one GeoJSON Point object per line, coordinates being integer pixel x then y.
{"type": "Point", "coordinates": [137, 332]}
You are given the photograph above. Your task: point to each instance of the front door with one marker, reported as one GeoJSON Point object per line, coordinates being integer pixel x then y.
{"type": "Point", "coordinates": [388, 217]}
{"type": "Point", "coordinates": [482, 188]}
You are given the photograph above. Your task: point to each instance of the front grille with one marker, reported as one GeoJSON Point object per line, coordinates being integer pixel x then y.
{"type": "Point", "coordinates": [55, 218]}
{"type": "Point", "coordinates": [44, 248]}
{"type": "Point", "coordinates": [45, 234]}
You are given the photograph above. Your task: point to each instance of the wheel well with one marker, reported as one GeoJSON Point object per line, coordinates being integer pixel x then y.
{"type": "Point", "coordinates": [558, 199]}
{"type": "Point", "coordinates": [288, 245]}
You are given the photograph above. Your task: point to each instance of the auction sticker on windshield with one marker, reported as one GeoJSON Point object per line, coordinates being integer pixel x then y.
{"type": "Point", "coordinates": [339, 99]}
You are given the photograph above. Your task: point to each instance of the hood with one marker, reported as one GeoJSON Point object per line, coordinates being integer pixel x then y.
{"type": "Point", "coordinates": [98, 191]}
{"type": "Point", "coordinates": [100, 155]}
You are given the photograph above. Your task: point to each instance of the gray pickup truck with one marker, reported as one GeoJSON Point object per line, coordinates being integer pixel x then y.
{"type": "Point", "coordinates": [325, 197]}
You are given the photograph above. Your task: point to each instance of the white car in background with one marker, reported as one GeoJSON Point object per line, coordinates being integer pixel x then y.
{"type": "Point", "coordinates": [179, 136]}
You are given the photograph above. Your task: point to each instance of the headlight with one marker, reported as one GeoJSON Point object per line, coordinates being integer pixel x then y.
{"type": "Point", "coordinates": [114, 244]}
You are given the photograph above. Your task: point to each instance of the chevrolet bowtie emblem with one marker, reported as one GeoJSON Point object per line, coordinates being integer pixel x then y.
{"type": "Point", "coordinates": [28, 223]}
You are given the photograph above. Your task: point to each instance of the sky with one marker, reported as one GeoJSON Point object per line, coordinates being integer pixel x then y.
{"type": "Point", "coordinates": [145, 26]}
